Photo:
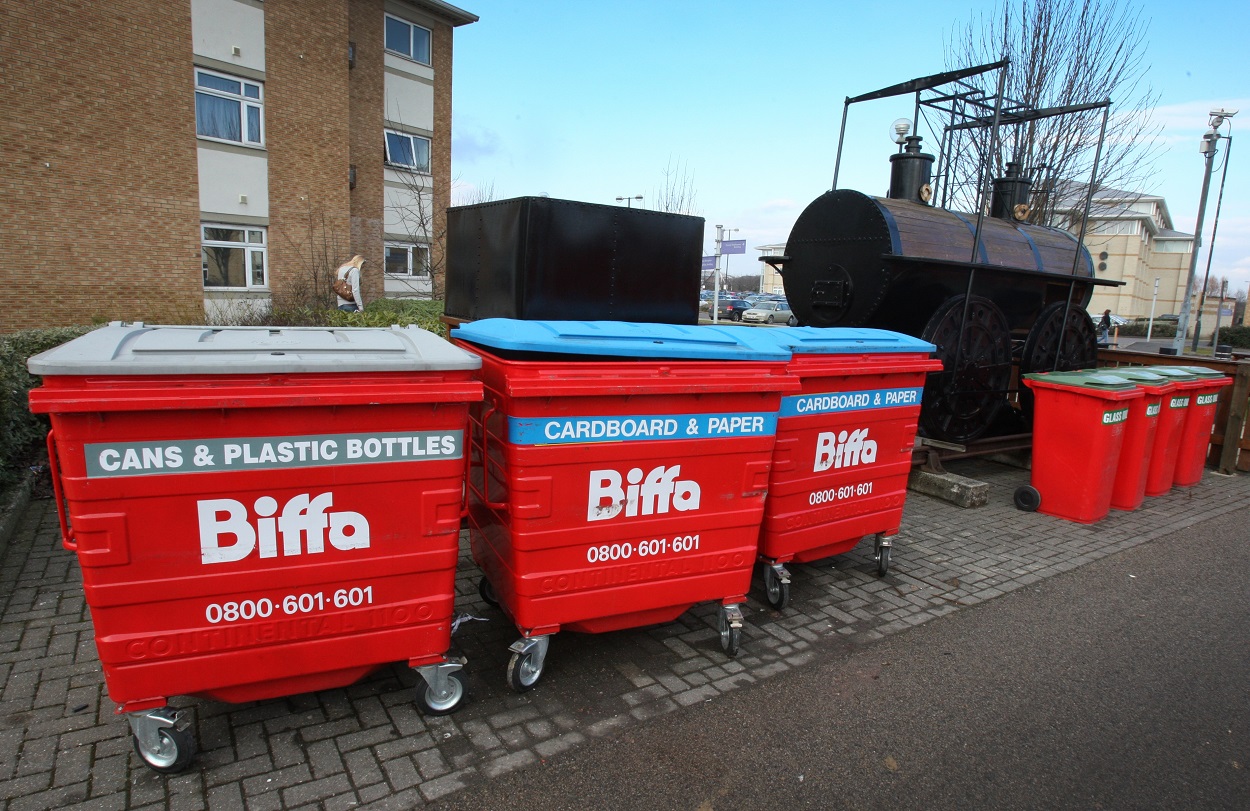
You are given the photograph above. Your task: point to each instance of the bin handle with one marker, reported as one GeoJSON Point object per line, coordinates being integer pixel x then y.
{"type": "Point", "coordinates": [483, 494]}
{"type": "Point", "coordinates": [54, 469]}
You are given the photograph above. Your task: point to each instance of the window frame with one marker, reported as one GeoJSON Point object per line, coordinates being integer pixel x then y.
{"type": "Point", "coordinates": [248, 247]}
{"type": "Point", "coordinates": [429, 33]}
{"type": "Point", "coordinates": [244, 101]}
{"type": "Point", "coordinates": [386, 150]}
{"type": "Point", "coordinates": [411, 249]}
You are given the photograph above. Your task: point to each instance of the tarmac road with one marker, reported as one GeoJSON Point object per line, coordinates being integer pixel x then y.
{"type": "Point", "coordinates": [1121, 685]}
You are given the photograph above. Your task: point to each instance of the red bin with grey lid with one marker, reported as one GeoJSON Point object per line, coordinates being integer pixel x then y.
{"type": "Point", "coordinates": [259, 512]}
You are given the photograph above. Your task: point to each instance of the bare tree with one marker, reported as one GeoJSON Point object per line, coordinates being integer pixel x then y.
{"type": "Point", "coordinates": [414, 207]}
{"type": "Point", "coordinates": [1062, 52]}
{"type": "Point", "coordinates": [321, 244]}
{"type": "Point", "coordinates": [677, 193]}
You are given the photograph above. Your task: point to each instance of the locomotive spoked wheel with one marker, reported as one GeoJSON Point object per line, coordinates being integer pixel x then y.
{"type": "Point", "coordinates": [1072, 341]}
{"type": "Point", "coordinates": [960, 402]}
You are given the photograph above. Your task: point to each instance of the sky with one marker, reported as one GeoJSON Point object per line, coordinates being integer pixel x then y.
{"type": "Point", "coordinates": [591, 100]}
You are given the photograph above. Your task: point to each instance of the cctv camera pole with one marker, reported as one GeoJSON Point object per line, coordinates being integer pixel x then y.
{"type": "Point", "coordinates": [1208, 148]}
{"type": "Point", "coordinates": [1215, 226]}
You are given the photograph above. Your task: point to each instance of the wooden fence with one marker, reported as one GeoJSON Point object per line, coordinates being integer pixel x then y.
{"type": "Point", "coordinates": [1230, 441]}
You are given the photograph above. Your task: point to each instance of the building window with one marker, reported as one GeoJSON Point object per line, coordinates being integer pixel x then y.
{"type": "Point", "coordinates": [408, 40]}
{"type": "Point", "coordinates": [228, 108]}
{"type": "Point", "coordinates": [411, 151]}
{"type": "Point", "coordinates": [233, 257]}
{"type": "Point", "coordinates": [407, 260]}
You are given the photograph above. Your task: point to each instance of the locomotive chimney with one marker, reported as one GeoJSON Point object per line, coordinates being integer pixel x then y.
{"type": "Point", "coordinates": [1011, 195]}
{"type": "Point", "coordinates": [910, 173]}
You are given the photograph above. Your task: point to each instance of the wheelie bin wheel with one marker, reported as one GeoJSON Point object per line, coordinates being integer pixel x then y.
{"type": "Point", "coordinates": [730, 633]}
{"type": "Point", "coordinates": [776, 590]}
{"type": "Point", "coordinates": [435, 703]}
{"type": "Point", "coordinates": [173, 752]}
{"type": "Point", "coordinates": [487, 592]}
{"type": "Point", "coordinates": [1027, 498]}
{"type": "Point", "coordinates": [524, 671]}
{"type": "Point", "coordinates": [883, 561]}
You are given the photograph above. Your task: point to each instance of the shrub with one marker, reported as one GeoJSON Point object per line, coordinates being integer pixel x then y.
{"type": "Point", "coordinates": [1137, 329]}
{"type": "Point", "coordinates": [1236, 336]}
{"type": "Point", "coordinates": [22, 433]}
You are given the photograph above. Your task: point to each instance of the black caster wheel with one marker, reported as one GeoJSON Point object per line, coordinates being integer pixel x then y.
{"type": "Point", "coordinates": [487, 592]}
{"type": "Point", "coordinates": [174, 752]}
{"type": "Point", "coordinates": [523, 672]}
{"type": "Point", "coordinates": [730, 636]}
{"type": "Point", "coordinates": [776, 591]}
{"type": "Point", "coordinates": [435, 703]}
{"type": "Point", "coordinates": [1027, 498]}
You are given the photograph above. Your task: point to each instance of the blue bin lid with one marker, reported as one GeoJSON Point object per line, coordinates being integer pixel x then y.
{"type": "Point", "coordinates": [141, 349]}
{"type": "Point", "coordinates": [842, 340]}
{"type": "Point", "coordinates": [622, 339]}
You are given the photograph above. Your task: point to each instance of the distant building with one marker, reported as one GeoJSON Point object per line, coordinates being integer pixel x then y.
{"type": "Point", "coordinates": [1131, 239]}
{"type": "Point", "coordinates": [165, 160]}
{"type": "Point", "coordinates": [771, 283]}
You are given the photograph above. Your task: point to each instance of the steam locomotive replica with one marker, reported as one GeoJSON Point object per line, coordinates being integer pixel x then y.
{"type": "Point", "coordinates": [900, 264]}
{"type": "Point", "coordinates": [998, 297]}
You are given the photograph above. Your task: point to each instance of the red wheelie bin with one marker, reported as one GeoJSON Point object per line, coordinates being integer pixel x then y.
{"type": "Point", "coordinates": [844, 447]}
{"type": "Point", "coordinates": [1129, 489]}
{"type": "Point", "coordinates": [259, 512]}
{"type": "Point", "coordinates": [1079, 421]}
{"type": "Point", "coordinates": [1195, 433]}
{"type": "Point", "coordinates": [1173, 410]}
{"type": "Point", "coordinates": [618, 473]}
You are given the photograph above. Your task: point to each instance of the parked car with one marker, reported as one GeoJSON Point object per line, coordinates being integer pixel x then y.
{"type": "Point", "coordinates": [731, 309]}
{"type": "Point", "coordinates": [770, 312]}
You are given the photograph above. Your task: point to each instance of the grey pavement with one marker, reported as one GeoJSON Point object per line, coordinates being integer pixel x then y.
{"type": "Point", "coordinates": [367, 746]}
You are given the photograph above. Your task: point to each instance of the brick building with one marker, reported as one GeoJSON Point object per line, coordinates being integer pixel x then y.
{"type": "Point", "coordinates": [170, 159]}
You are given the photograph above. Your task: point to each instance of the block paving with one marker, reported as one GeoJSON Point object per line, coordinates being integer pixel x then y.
{"type": "Point", "coordinates": [367, 746]}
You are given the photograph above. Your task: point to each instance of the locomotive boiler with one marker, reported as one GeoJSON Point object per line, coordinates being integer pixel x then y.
{"type": "Point", "coordinates": [997, 296]}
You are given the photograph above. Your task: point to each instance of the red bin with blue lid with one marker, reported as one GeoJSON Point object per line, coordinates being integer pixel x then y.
{"type": "Point", "coordinates": [618, 473]}
{"type": "Point", "coordinates": [259, 512]}
{"type": "Point", "coordinates": [1195, 433]}
{"type": "Point", "coordinates": [1079, 422]}
{"type": "Point", "coordinates": [844, 447]}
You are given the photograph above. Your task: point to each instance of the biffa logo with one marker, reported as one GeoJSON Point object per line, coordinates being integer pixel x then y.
{"type": "Point", "coordinates": [655, 494]}
{"type": "Point", "coordinates": [303, 526]}
{"type": "Point", "coordinates": [844, 449]}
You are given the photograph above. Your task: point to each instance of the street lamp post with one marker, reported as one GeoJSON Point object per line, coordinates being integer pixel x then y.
{"type": "Point", "coordinates": [1208, 149]}
{"type": "Point", "coordinates": [1150, 328]}
{"type": "Point", "coordinates": [629, 200]}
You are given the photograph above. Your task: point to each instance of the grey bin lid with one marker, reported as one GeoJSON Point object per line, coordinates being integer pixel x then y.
{"type": "Point", "coordinates": [138, 349]}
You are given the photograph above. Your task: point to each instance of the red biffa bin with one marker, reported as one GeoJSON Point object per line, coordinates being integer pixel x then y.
{"type": "Point", "coordinates": [1078, 427]}
{"type": "Point", "coordinates": [259, 512]}
{"type": "Point", "coordinates": [1129, 489]}
{"type": "Point", "coordinates": [1195, 436]}
{"type": "Point", "coordinates": [844, 447]}
{"type": "Point", "coordinates": [618, 473]}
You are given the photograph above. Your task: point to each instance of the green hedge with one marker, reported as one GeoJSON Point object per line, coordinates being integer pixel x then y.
{"type": "Point", "coordinates": [1236, 336]}
{"type": "Point", "coordinates": [21, 432]}
{"type": "Point", "coordinates": [1137, 329]}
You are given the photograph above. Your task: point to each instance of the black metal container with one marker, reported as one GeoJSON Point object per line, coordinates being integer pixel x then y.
{"type": "Point", "coordinates": [538, 258]}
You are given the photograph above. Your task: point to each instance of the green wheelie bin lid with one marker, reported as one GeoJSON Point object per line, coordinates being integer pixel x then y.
{"type": "Point", "coordinates": [1097, 379]}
